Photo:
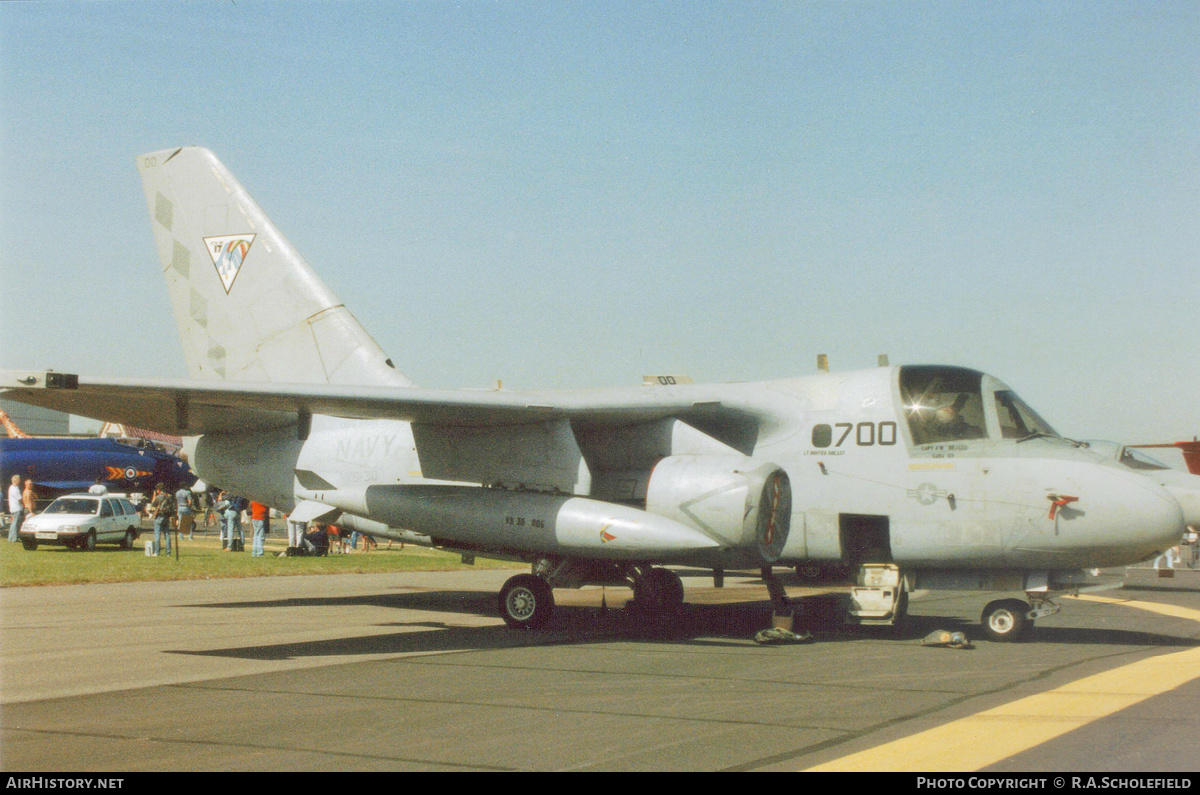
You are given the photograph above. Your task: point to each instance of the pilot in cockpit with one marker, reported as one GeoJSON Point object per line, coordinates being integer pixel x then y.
{"type": "Point", "coordinates": [950, 422]}
{"type": "Point", "coordinates": [943, 404]}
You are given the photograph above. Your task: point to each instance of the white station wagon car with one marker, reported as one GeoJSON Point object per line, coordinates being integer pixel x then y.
{"type": "Point", "coordinates": [82, 521]}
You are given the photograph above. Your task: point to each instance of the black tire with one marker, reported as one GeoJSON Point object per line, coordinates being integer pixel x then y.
{"type": "Point", "coordinates": [1006, 620]}
{"type": "Point", "coordinates": [526, 602]}
{"type": "Point", "coordinates": [29, 543]}
{"type": "Point", "coordinates": [659, 588]}
{"type": "Point", "coordinates": [130, 537]}
{"type": "Point", "coordinates": [89, 541]}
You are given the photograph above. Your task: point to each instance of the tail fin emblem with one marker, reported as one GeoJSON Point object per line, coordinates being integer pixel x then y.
{"type": "Point", "coordinates": [228, 252]}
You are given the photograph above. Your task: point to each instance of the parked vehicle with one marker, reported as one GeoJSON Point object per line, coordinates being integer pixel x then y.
{"type": "Point", "coordinates": [82, 521]}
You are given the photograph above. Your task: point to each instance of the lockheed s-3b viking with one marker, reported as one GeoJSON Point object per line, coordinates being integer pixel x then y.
{"type": "Point", "coordinates": [917, 476]}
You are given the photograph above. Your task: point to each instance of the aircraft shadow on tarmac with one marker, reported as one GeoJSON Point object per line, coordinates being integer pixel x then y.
{"type": "Point", "coordinates": [1094, 636]}
{"type": "Point", "coordinates": [732, 625]}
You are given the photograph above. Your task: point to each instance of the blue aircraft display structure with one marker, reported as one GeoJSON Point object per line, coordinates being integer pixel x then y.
{"type": "Point", "coordinates": [63, 465]}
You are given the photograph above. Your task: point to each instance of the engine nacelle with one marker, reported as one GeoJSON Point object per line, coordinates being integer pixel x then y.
{"type": "Point", "coordinates": [472, 517]}
{"type": "Point", "coordinates": [258, 466]}
{"type": "Point", "coordinates": [735, 500]}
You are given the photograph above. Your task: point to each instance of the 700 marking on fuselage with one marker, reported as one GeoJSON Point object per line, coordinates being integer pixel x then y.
{"type": "Point", "coordinates": [866, 434]}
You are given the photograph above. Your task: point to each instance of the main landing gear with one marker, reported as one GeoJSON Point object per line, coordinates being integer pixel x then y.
{"type": "Point", "coordinates": [659, 590]}
{"type": "Point", "coordinates": [527, 600]}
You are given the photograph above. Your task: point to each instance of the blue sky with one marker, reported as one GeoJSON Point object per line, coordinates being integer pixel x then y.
{"type": "Point", "coordinates": [578, 194]}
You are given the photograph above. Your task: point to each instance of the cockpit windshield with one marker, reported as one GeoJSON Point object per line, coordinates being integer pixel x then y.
{"type": "Point", "coordinates": [1017, 420]}
{"type": "Point", "coordinates": [1134, 459]}
{"type": "Point", "coordinates": [943, 404]}
{"type": "Point", "coordinates": [1138, 460]}
{"type": "Point", "coordinates": [953, 404]}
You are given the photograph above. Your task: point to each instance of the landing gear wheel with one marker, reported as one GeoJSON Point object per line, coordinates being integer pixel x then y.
{"type": "Point", "coordinates": [1005, 620]}
{"type": "Point", "coordinates": [526, 602]}
{"type": "Point", "coordinates": [659, 588]}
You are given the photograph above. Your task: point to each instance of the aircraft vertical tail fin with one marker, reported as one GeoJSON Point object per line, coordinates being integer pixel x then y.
{"type": "Point", "coordinates": [1191, 455]}
{"type": "Point", "coordinates": [248, 306]}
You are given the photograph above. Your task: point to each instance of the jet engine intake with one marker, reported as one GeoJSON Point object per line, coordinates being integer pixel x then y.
{"type": "Point", "coordinates": [735, 500]}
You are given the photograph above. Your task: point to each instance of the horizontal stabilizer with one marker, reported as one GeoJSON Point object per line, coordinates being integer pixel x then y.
{"type": "Point", "coordinates": [311, 481]}
{"type": "Point", "coordinates": [308, 511]}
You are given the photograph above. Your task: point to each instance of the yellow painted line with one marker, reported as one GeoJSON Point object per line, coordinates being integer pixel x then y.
{"type": "Point", "coordinates": [1174, 611]}
{"type": "Point", "coordinates": [993, 735]}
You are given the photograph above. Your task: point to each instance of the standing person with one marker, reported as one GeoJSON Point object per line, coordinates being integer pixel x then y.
{"type": "Point", "coordinates": [162, 510]}
{"type": "Point", "coordinates": [16, 508]}
{"type": "Point", "coordinates": [259, 519]}
{"type": "Point", "coordinates": [207, 503]}
{"type": "Point", "coordinates": [222, 502]}
{"type": "Point", "coordinates": [1170, 557]}
{"type": "Point", "coordinates": [29, 499]}
{"type": "Point", "coordinates": [233, 523]}
{"type": "Point", "coordinates": [183, 503]}
{"type": "Point", "coordinates": [295, 535]}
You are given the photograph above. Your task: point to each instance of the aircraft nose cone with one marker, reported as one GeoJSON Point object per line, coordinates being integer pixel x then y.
{"type": "Point", "coordinates": [1166, 526]}
{"type": "Point", "coordinates": [1118, 518]}
{"type": "Point", "coordinates": [1142, 517]}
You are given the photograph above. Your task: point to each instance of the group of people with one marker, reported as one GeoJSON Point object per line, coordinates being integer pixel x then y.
{"type": "Point", "coordinates": [181, 511]}
{"type": "Point", "coordinates": [317, 538]}
{"type": "Point", "coordinates": [178, 512]}
{"type": "Point", "coordinates": [20, 505]}
{"type": "Point", "coordinates": [1189, 548]}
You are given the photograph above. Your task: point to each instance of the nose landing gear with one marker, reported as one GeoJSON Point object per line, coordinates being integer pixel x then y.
{"type": "Point", "coordinates": [1008, 620]}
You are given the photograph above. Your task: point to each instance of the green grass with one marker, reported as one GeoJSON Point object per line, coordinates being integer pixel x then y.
{"type": "Point", "coordinates": [202, 559]}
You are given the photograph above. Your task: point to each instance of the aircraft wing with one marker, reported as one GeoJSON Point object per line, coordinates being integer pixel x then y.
{"type": "Point", "coordinates": [193, 408]}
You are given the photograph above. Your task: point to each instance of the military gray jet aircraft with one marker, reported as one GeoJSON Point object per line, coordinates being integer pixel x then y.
{"type": "Point", "coordinates": [943, 473]}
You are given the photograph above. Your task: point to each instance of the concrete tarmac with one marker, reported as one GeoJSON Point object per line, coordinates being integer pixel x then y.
{"type": "Point", "coordinates": [416, 672]}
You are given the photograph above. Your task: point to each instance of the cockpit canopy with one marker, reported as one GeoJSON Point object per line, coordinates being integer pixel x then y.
{"type": "Point", "coordinates": [1126, 457]}
{"type": "Point", "coordinates": [951, 404]}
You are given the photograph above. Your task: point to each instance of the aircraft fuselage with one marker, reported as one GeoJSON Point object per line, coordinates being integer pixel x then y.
{"type": "Point", "coordinates": [862, 488]}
